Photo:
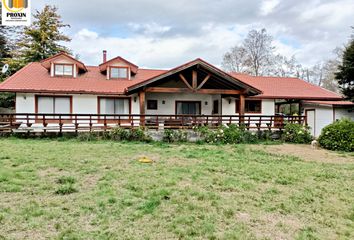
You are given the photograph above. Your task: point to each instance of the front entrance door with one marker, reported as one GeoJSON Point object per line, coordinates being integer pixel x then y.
{"type": "Point", "coordinates": [188, 107]}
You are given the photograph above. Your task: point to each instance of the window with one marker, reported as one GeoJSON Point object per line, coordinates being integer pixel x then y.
{"type": "Point", "coordinates": [64, 70]}
{"type": "Point", "coordinates": [152, 104]}
{"type": "Point", "coordinates": [119, 72]}
{"type": "Point", "coordinates": [188, 108]}
{"type": "Point", "coordinates": [114, 106]}
{"type": "Point", "coordinates": [53, 105]}
{"type": "Point", "coordinates": [251, 106]}
{"type": "Point", "coordinates": [216, 107]}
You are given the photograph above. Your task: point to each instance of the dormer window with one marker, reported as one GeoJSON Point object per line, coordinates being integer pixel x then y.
{"type": "Point", "coordinates": [64, 70]}
{"type": "Point", "coordinates": [119, 73]}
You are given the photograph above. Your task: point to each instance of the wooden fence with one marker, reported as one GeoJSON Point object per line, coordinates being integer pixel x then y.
{"type": "Point", "coordinates": [22, 122]}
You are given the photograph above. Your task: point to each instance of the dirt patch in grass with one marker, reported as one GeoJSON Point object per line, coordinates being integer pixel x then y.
{"type": "Point", "coordinates": [271, 225]}
{"type": "Point", "coordinates": [306, 153]}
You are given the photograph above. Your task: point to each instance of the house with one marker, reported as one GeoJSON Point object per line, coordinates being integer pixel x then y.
{"type": "Point", "coordinates": [64, 85]}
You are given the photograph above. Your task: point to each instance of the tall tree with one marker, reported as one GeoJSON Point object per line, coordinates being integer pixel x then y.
{"type": "Point", "coordinates": [259, 46]}
{"type": "Point", "coordinates": [254, 55]}
{"type": "Point", "coordinates": [345, 74]}
{"type": "Point", "coordinates": [236, 60]}
{"type": "Point", "coordinates": [42, 39]}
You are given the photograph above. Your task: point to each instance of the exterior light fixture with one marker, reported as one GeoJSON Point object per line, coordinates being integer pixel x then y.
{"type": "Point", "coordinates": [163, 102]}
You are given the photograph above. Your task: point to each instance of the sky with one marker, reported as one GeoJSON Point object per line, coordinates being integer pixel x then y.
{"type": "Point", "coordinates": [165, 34]}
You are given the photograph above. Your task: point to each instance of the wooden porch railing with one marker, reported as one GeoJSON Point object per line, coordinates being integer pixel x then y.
{"type": "Point", "coordinates": [93, 122]}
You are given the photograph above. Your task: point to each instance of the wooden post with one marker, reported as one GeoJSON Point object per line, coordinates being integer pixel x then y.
{"type": "Point", "coordinates": [194, 79]}
{"type": "Point", "coordinates": [142, 108]}
{"type": "Point", "coordinates": [242, 108]}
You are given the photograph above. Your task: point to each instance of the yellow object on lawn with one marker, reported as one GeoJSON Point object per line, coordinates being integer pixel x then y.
{"type": "Point", "coordinates": [145, 160]}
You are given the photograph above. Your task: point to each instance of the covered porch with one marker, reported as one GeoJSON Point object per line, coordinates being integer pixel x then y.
{"type": "Point", "coordinates": [196, 88]}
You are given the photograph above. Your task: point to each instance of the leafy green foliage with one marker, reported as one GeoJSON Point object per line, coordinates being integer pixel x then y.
{"type": "Point", "coordinates": [296, 133]}
{"type": "Point", "coordinates": [231, 134]}
{"type": "Point", "coordinates": [338, 136]}
{"type": "Point", "coordinates": [345, 75]}
{"type": "Point", "coordinates": [42, 39]}
{"type": "Point", "coordinates": [7, 100]}
{"type": "Point", "coordinates": [171, 136]}
{"type": "Point", "coordinates": [117, 134]}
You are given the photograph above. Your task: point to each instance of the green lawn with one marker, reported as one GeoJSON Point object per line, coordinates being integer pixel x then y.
{"type": "Point", "coordinates": [189, 192]}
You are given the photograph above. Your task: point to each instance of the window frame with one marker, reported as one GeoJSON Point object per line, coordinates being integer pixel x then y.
{"type": "Point", "coordinates": [118, 67]}
{"type": "Point", "coordinates": [63, 64]}
{"type": "Point", "coordinates": [237, 105]}
{"type": "Point", "coordinates": [156, 102]}
{"type": "Point", "coordinates": [199, 102]}
{"type": "Point", "coordinates": [103, 97]}
{"type": "Point", "coordinates": [51, 96]}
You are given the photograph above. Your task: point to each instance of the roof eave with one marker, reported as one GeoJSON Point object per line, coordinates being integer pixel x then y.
{"type": "Point", "coordinates": [250, 89]}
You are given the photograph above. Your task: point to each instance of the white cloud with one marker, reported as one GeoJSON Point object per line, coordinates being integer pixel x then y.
{"type": "Point", "coordinates": [149, 28]}
{"type": "Point", "coordinates": [268, 6]}
{"type": "Point", "coordinates": [159, 52]}
{"type": "Point", "coordinates": [167, 33]}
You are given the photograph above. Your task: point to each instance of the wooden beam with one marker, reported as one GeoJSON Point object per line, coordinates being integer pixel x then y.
{"type": "Point", "coordinates": [242, 105]}
{"type": "Point", "coordinates": [194, 79]}
{"type": "Point", "coordinates": [200, 91]}
{"type": "Point", "coordinates": [204, 81]}
{"type": "Point", "coordinates": [142, 107]}
{"type": "Point", "coordinates": [185, 81]}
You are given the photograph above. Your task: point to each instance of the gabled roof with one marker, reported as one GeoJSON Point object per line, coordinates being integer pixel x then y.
{"type": "Point", "coordinates": [133, 67]}
{"type": "Point", "coordinates": [35, 78]}
{"type": "Point", "coordinates": [287, 88]}
{"type": "Point", "coordinates": [47, 62]}
{"type": "Point", "coordinates": [201, 62]}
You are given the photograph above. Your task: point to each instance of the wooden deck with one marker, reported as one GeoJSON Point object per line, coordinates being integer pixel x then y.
{"type": "Point", "coordinates": [21, 122]}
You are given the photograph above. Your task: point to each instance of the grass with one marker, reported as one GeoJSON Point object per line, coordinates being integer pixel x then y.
{"type": "Point", "coordinates": [98, 190]}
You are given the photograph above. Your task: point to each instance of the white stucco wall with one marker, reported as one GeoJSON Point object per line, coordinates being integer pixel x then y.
{"type": "Point", "coordinates": [170, 102]}
{"type": "Point", "coordinates": [82, 103]}
{"type": "Point", "coordinates": [25, 103]}
{"type": "Point", "coordinates": [325, 115]}
{"type": "Point", "coordinates": [87, 104]}
{"type": "Point", "coordinates": [343, 113]}
{"type": "Point", "coordinates": [268, 107]}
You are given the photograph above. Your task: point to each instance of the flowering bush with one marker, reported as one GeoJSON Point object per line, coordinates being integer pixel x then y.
{"type": "Point", "coordinates": [231, 134]}
{"type": "Point", "coordinates": [338, 136]}
{"type": "Point", "coordinates": [174, 136]}
{"type": "Point", "coordinates": [296, 133]}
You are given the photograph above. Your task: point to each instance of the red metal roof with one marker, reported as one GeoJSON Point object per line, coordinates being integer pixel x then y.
{"type": "Point", "coordinates": [35, 78]}
{"type": "Point", "coordinates": [335, 103]}
{"type": "Point", "coordinates": [286, 88]}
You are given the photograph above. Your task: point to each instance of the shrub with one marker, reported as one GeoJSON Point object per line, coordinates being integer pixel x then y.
{"type": "Point", "coordinates": [296, 133]}
{"type": "Point", "coordinates": [139, 134]}
{"type": "Point", "coordinates": [231, 134]}
{"type": "Point", "coordinates": [174, 136]}
{"type": "Point", "coordinates": [119, 134]}
{"type": "Point", "coordinates": [338, 136]}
